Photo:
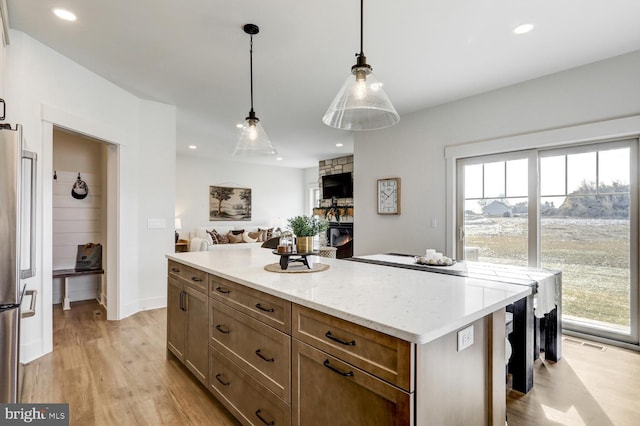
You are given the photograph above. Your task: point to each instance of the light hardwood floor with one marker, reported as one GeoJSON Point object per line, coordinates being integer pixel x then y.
{"type": "Point", "coordinates": [117, 373]}
{"type": "Point", "coordinates": [592, 385]}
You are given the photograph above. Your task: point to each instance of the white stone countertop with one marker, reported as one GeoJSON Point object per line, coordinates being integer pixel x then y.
{"type": "Point", "coordinates": [412, 305]}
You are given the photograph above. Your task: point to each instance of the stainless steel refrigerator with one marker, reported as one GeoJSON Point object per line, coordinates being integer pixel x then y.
{"type": "Point", "coordinates": [17, 250]}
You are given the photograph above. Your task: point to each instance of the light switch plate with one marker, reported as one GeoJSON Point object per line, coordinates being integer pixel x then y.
{"type": "Point", "coordinates": [465, 338]}
{"type": "Point", "coordinates": [156, 223]}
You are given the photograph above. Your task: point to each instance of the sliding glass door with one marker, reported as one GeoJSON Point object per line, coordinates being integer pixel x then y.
{"type": "Point", "coordinates": [493, 224]}
{"type": "Point", "coordinates": [571, 208]}
{"type": "Point", "coordinates": [587, 223]}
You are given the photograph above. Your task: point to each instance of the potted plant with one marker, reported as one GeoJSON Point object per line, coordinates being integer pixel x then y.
{"type": "Point", "coordinates": [305, 228]}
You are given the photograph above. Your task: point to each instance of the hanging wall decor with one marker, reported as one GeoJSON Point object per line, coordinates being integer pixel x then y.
{"type": "Point", "coordinates": [229, 203]}
{"type": "Point", "coordinates": [80, 190]}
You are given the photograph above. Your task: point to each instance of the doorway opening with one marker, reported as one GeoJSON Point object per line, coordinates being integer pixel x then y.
{"type": "Point", "coordinates": [79, 216]}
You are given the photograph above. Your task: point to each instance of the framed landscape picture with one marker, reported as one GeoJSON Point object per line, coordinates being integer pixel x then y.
{"type": "Point", "coordinates": [229, 203]}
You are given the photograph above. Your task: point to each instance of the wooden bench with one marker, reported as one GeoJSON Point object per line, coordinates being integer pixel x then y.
{"type": "Point", "coordinates": [71, 273]}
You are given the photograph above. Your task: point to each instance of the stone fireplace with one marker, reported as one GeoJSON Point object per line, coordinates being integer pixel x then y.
{"type": "Point", "coordinates": [340, 235]}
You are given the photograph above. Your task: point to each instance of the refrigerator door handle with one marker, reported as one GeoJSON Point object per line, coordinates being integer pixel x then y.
{"type": "Point", "coordinates": [32, 306]}
{"type": "Point", "coordinates": [28, 273]}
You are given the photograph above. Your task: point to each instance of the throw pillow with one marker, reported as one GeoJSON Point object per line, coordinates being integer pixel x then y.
{"type": "Point", "coordinates": [268, 233]}
{"type": "Point", "coordinates": [237, 231]}
{"type": "Point", "coordinates": [233, 239]}
{"type": "Point", "coordinates": [220, 238]}
{"type": "Point", "coordinates": [247, 238]}
{"type": "Point", "coordinates": [256, 236]}
{"type": "Point", "coordinates": [211, 235]}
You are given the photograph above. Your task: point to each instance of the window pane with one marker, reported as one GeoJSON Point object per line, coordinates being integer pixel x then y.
{"type": "Point", "coordinates": [549, 205]}
{"type": "Point", "coordinates": [593, 254]}
{"type": "Point", "coordinates": [581, 173]}
{"type": "Point", "coordinates": [473, 207]}
{"type": "Point", "coordinates": [473, 181]}
{"type": "Point", "coordinates": [517, 178]}
{"type": "Point", "coordinates": [587, 236]}
{"type": "Point", "coordinates": [613, 170]}
{"type": "Point", "coordinates": [494, 180]}
{"type": "Point", "coordinates": [552, 176]}
{"type": "Point", "coordinates": [496, 239]}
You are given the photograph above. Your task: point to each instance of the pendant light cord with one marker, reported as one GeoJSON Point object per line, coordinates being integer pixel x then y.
{"type": "Point", "coordinates": [361, 27]}
{"type": "Point", "coordinates": [251, 68]}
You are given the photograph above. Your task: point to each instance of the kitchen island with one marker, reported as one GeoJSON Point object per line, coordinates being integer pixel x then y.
{"type": "Point", "coordinates": [355, 344]}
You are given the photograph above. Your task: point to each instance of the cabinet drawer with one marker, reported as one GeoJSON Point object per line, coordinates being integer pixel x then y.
{"type": "Point", "coordinates": [249, 401]}
{"type": "Point", "coordinates": [173, 268]}
{"type": "Point", "coordinates": [191, 275]}
{"type": "Point", "coordinates": [331, 392]}
{"type": "Point", "coordinates": [262, 351]}
{"type": "Point", "coordinates": [384, 356]}
{"type": "Point", "coordinates": [269, 309]}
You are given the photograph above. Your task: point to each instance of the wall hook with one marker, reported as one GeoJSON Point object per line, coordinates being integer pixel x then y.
{"type": "Point", "coordinates": [55, 175]}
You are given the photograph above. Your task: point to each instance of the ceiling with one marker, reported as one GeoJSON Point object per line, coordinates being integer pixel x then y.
{"type": "Point", "coordinates": [194, 54]}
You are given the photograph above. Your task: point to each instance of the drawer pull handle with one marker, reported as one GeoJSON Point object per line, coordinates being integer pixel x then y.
{"type": "Point", "coordinates": [262, 308]}
{"type": "Point", "coordinates": [219, 378]}
{"type": "Point", "coordinates": [175, 270]}
{"type": "Point", "coordinates": [196, 279]}
{"type": "Point", "coordinates": [222, 290]}
{"type": "Point", "coordinates": [222, 330]}
{"type": "Point", "coordinates": [264, 357]}
{"type": "Point", "coordinates": [336, 339]}
{"type": "Point", "coordinates": [183, 305]}
{"type": "Point", "coordinates": [340, 372]}
{"type": "Point", "coordinates": [271, 423]}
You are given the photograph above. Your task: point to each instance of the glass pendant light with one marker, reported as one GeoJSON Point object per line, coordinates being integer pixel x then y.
{"type": "Point", "coordinates": [253, 140]}
{"type": "Point", "coordinates": [361, 103]}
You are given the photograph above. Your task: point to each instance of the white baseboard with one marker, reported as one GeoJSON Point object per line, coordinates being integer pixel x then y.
{"type": "Point", "coordinates": [153, 303]}
{"type": "Point", "coordinates": [31, 351]}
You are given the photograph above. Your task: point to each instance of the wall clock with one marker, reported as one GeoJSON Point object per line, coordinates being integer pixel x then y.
{"type": "Point", "coordinates": [389, 196]}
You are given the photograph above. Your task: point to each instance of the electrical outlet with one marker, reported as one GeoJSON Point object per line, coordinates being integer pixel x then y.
{"type": "Point", "coordinates": [465, 338]}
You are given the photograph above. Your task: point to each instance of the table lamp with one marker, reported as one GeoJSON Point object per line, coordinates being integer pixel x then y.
{"type": "Point", "coordinates": [178, 226]}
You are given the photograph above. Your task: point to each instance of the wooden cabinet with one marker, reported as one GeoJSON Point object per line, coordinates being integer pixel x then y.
{"type": "Point", "coordinates": [250, 352]}
{"type": "Point", "coordinates": [196, 356]}
{"type": "Point", "coordinates": [382, 355]}
{"type": "Point", "coordinates": [262, 351]}
{"type": "Point", "coordinates": [188, 318]}
{"type": "Point", "coordinates": [182, 246]}
{"type": "Point", "coordinates": [276, 363]}
{"type": "Point", "coordinates": [176, 319]}
{"type": "Point", "coordinates": [264, 307]}
{"type": "Point", "coordinates": [331, 392]}
{"type": "Point", "coordinates": [248, 400]}
{"type": "Point", "coordinates": [346, 374]}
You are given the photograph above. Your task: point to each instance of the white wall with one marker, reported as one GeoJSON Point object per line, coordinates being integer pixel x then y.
{"type": "Point", "coordinates": [44, 88]}
{"type": "Point", "coordinates": [415, 149]}
{"type": "Point", "coordinates": [311, 182]}
{"type": "Point", "coordinates": [277, 192]}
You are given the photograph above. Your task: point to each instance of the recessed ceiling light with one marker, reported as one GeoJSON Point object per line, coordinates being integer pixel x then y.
{"type": "Point", "coordinates": [192, 147]}
{"type": "Point", "coordinates": [523, 29]}
{"type": "Point", "coordinates": [279, 158]}
{"type": "Point", "coordinates": [64, 14]}
{"type": "Point", "coordinates": [339, 145]}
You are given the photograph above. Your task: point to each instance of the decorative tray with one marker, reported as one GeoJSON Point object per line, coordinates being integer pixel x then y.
{"type": "Point", "coordinates": [445, 261]}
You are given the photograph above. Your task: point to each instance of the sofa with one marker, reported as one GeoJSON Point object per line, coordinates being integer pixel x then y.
{"type": "Point", "coordinates": [222, 237]}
